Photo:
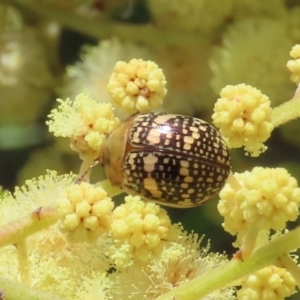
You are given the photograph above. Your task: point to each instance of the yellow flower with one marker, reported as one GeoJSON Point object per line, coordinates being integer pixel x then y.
{"type": "Point", "coordinates": [85, 122]}
{"type": "Point", "coordinates": [96, 286]}
{"type": "Point", "coordinates": [268, 283]}
{"type": "Point", "coordinates": [25, 76]}
{"type": "Point", "coordinates": [137, 86]}
{"type": "Point", "coordinates": [59, 267]}
{"type": "Point", "coordinates": [189, 87]}
{"type": "Point", "coordinates": [57, 156]}
{"type": "Point", "coordinates": [90, 75]}
{"type": "Point", "coordinates": [85, 212]}
{"type": "Point", "coordinates": [55, 265]}
{"type": "Point", "coordinates": [36, 193]}
{"type": "Point", "coordinates": [179, 262]}
{"type": "Point", "coordinates": [250, 54]}
{"type": "Point", "coordinates": [266, 198]}
{"type": "Point", "coordinates": [139, 230]}
{"type": "Point", "coordinates": [294, 65]}
{"type": "Point", "coordinates": [243, 115]}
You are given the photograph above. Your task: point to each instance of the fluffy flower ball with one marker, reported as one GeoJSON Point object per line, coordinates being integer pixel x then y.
{"type": "Point", "coordinates": [85, 212]}
{"type": "Point", "coordinates": [191, 15]}
{"type": "Point", "coordinates": [265, 197]}
{"type": "Point", "coordinates": [268, 283]}
{"type": "Point", "coordinates": [137, 86]}
{"type": "Point", "coordinates": [25, 73]}
{"type": "Point", "coordinates": [294, 65]}
{"type": "Point", "coordinates": [139, 230]}
{"type": "Point", "coordinates": [179, 262]}
{"type": "Point", "coordinates": [91, 73]}
{"type": "Point", "coordinates": [36, 193]}
{"type": "Point", "coordinates": [85, 122]}
{"type": "Point", "coordinates": [243, 115]}
{"type": "Point", "coordinates": [249, 53]}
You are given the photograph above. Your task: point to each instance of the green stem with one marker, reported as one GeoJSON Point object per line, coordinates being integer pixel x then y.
{"type": "Point", "coordinates": [291, 266]}
{"type": "Point", "coordinates": [23, 261]}
{"type": "Point", "coordinates": [17, 231]}
{"type": "Point", "coordinates": [235, 269]}
{"type": "Point", "coordinates": [16, 291]}
{"type": "Point", "coordinates": [286, 112]}
{"type": "Point", "coordinates": [103, 28]}
{"type": "Point", "coordinates": [249, 241]}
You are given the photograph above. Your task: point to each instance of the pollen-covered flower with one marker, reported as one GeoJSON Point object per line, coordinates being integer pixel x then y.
{"type": "Point", "coordinates": [139, 230]}
{"type": "Point", "coordinates": [57, 156]}
{"type": "Point", "coordinates": [85, 122]}
{"type": "Point", "coordinates": [96, 286]}
{"type": "Point", "coordinates": [294, 65]}
{"type": "Point", "coordinates": [58, 267]}
{"type": "Point", "coordinates": [90, 75]}
{"type": "Point", "coordinates": [250, 54]}
{"type": "Point", "coordinates": [266, 198]}
{"type": "Point", "coordinates": [85, 212]}
{"type": "Point", "coordinates": [179, 262]}
{"type": "Point", "coordinates": [25, 75]}
{"type": "Point", "coordinates": [188, 79]}
{"type": "Point", "coordinates": [243, 115]}
{"type": "Point", "coordinates": [137, 86]}
{"type": "Point", "coordinates": [36, 193]}
{"type": "Point", "coordinates": [268, 283]}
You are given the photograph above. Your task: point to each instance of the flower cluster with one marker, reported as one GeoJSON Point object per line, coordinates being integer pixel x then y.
{"type": "Point", "coordinates": [85, 122]}
{"type": "Point", "coordinates": [265, 198]}
{"type": "Point", "coordinates": [268, 283]}
{"type": "Point", "coordinates": [243, 115]}
{"type": "Point", "coordinates": [139, 231]}
{"type": "Point", "coordinates": [179, 262]}
{"type": "Point", "coordinates": [137, 85]}
{"type": "Point", "coordinates": [244, 55]}
{"type": "Point", "coordinates": [294, 65]}
{"type": "Point", "coordinates": [25, 75]}
{"type": "Point", "coordinates": [139, 241]}
{"type": "Point", "coordinates": [85, 212]}
{"type": "Point", "coordinates": [150, 256]}
{"type": "Point", "coordinates": [91, 74]}
{"type": "Point", "coordinates": [63, 236]}
{"type": "Point", "coordinates": [34, 194]}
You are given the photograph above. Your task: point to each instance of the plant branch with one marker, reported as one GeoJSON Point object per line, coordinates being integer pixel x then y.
{"type": "Point", "coordinates": [104, 27]}
{"type": "Point", "coordinates": [18, 230]}
{"type": "Point", "coordinates": [286, 112]}
{"type": "Point", "coordinates": [16, 291]}
{"type": "Point", "coordinates": [23, 261]}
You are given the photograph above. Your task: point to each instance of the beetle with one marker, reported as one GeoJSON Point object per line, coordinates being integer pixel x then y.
{"type": "Point", "coordinates": [174, 160]}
